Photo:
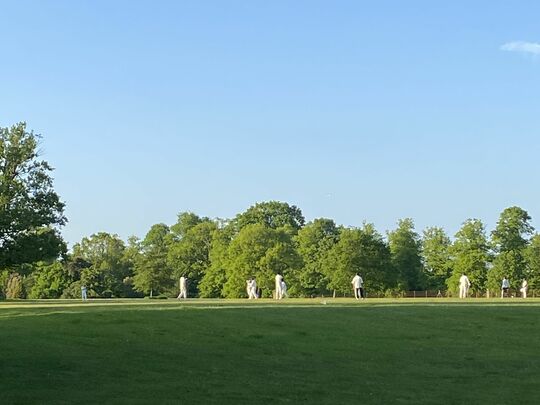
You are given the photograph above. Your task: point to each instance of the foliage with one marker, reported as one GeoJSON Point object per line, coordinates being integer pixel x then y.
{"type": "Point", "coordinates": [190, 255]}
{"type": "Point", "coordinates": [152, 272]}
{"type": "Point", "coordinates": [49, 281]}
{"type": "Point", "coordinates": [14, 288]}
{"type": "Point", "coordinates": [406, 250]}
{"type": "Point", "coordinates": [532, 257]}
{"type": "Point", "coordinates": [262, 252]}
{"type": "Point", "coordinates": [29, 206]}
{"type": "Point", "coordinates": [273, 214]}
{"type": "Point", "coordinates": [314, 241]}
{"type": "Point", "coordinates": [470, 256]}
{"type": "Point", "coordinates": [108, 263]}
{"type": "Point", "coordinates": [211, 285]}
{"type": "Point", "coordinates": [359, 251]}
{"type": "Point", "coordinates": [437, 258]}
{"type": "Point", "coordinates": [510, 240]}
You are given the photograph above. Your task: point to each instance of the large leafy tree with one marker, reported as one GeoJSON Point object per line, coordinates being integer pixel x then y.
{"type": "Point", "coordinates": [359, 251]}
{"type": "Point", "coordinates": [259, 251]}
{"type": "Point", "coordinates": [510, 240]}
{"type": "Point", "coordinates": [50, 280]}
{"type": "Point", "coordinates": [273, 214]}
{"type": "Point", "coordinates": [532, 256]}
{"type": "Point", "coordinates": [108, 266]}
{"type": "Point", "coordinates": [470, 256]}
{"type": "Point", "coordinates": [184, 222]}
{"type": "Point", "coordinates": [437, 259]}
{"type": "Point", "coordinates": [215, 276]}
{"type": "Point", "coordinates": [406, 249]}
{"type": "Point", "coordinates": [152, 271]}
{"type": "Point", "coordinates": [30, 209]}
{"type": "Point", "coordinates": [190, 255]}
{"type": "Point", "coordinates": [314, 241]}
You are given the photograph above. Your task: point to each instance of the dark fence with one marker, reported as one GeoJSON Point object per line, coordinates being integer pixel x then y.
{"type": "Point", "coordinates": [512, 293]}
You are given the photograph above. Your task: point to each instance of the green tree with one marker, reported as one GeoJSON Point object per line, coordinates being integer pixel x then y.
{"type": "Point", "coordinates": [152, 272]}
{"type": "Point", "coordinates": [437, 259]}
{"type": "Point", "coordinates": [470, 256]}
{"type": "Point", "coordinates": [406, 250]}
{"type": "Point", "coordinates": [314, 241]}
{"type": "Point", "coordinates": [273, 214]}
{"type": "Point", "coordinates": [15, 287]}
{"type": "Point", "coordinates": [211, 285]}
{"type": "Point", "coordinates": [190, 255]}
{"type": "Point", "coordinates": [30, 209]}
{"type": "Point", "coordinates": [532, 257]}
{"type": "Point", "coordinates": [259, 251]}
{"type": "Point", "coordinates": [49, 280]}
{"type": "Point", "coordinates": [184, 222]}
{"type": "Point", "coordinates": [359, 251]}
{"type": "Point", "coordinates": [510, 240]}
{"type": "Point", "coordinates": [108, 266]}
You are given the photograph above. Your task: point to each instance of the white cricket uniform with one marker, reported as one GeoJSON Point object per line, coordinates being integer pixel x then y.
{"type": "Point", "coordinates": [279, 292]}
{"type": "Point", "coordinates": [464, 285]}
{"type": "Point", "coordinates": [252, 289]}
{"type": "Point", "coordinates": [357, 283]}
{"type": "Point", "coordinates": [183, 288]}
{"type": "Point", "coordinates": [524, 288]}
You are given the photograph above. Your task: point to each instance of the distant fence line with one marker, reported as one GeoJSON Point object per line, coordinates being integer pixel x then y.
{"type": "Point", "coordinates": [512, 293]}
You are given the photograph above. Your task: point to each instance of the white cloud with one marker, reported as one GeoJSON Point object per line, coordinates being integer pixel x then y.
{"type": "Point", "coordinates": [522, 46]}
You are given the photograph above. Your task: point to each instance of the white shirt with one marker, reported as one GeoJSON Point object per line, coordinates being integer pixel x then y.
{"type": "Point", "coordinates": [464, 281]}
{"type": "Point", "coordinates": [279, 279]}
{"type": "Point", "coordinates": [182, 283]}
{"type": "Point", "coordinates": [357, 281]}
{"type": "Point", "coordinates": [505, 283]}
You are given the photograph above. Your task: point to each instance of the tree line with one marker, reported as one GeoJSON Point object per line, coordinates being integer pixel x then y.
{"type": "Point", "coordinates": [218, 256]}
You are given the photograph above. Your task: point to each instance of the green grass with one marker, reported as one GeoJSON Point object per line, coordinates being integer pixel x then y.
{"type": "Point", "coordinates": [296, 351]}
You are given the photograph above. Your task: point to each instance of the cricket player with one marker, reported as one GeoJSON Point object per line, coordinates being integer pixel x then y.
{"type": "Point", "coordinates": [183, 288]}
{"type": "Point", "coordinates": [252, 289]}
{"type": "Point", "coordinates": [84, 293]}
{"type": "Point", "coordinates": [524, 288]}
{"type": "Point", "coordinates": [284, 293]}
{"type": "Point", "coordinates": [358, 285]}
{"type": "Point", "coordinates": [279, 291]}
{"type": "Point", "coordinates": [464, 285]}
{"type": "Point", "coordinates": [505, 287]}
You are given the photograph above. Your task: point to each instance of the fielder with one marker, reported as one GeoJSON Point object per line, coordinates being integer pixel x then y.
{"type": "Point", "coordinates": [183, 288]}
{"type": "Point", "coordinates": [279, 291]}
{"type": "Point", "coordinates": [524, 288]}
{"type": "Point", "coordinates": [252, 289]}
{"type": "Point", "coordinates": [358, 285]}
{"type": "Point", "coordinates": [464, 285]}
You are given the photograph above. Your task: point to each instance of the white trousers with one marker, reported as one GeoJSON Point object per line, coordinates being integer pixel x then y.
{"type": "Point", "coordinates": [463, 291]}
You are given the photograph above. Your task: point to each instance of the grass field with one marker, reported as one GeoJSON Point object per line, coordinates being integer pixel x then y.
{"type": "Point", "coordinates": [296, 351]}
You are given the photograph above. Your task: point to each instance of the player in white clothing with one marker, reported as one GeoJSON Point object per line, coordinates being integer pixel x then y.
{"type": "Point", "coordinates": [252, 289]}
{"type": "Point", "coordinates": [284, 289]}
{"type": "Point", "coordinates": [524, 288]}
{"type": "Point", "coordinates": [183, 288]}
{"type": "Point", "coordinates": [358, 285]}
{"type": "Point", "coordinates": [279, 291]}
{"type": "Point", "coordinates": [464, 285]}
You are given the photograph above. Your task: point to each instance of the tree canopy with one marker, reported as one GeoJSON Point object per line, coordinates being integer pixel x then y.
{"type": "Point", "coordinates": [30, 210]}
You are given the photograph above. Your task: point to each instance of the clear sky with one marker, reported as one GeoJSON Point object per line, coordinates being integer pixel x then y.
{"type": "Point", "coordinates": [353, 110]}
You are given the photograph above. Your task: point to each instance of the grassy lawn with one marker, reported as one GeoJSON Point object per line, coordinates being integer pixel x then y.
{"type": "Point", "coordinates": [297, 351]}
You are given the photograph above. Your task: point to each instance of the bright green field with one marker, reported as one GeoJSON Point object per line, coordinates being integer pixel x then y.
{"type": "Point", "coordinates": [297, 351]}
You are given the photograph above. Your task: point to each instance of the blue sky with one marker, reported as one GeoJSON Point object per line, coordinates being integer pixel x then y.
{"type": "Point", "coordinates": [350, 110]}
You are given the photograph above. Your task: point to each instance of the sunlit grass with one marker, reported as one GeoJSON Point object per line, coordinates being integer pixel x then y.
{"type": "Point", "coordinates": [319, 351]}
